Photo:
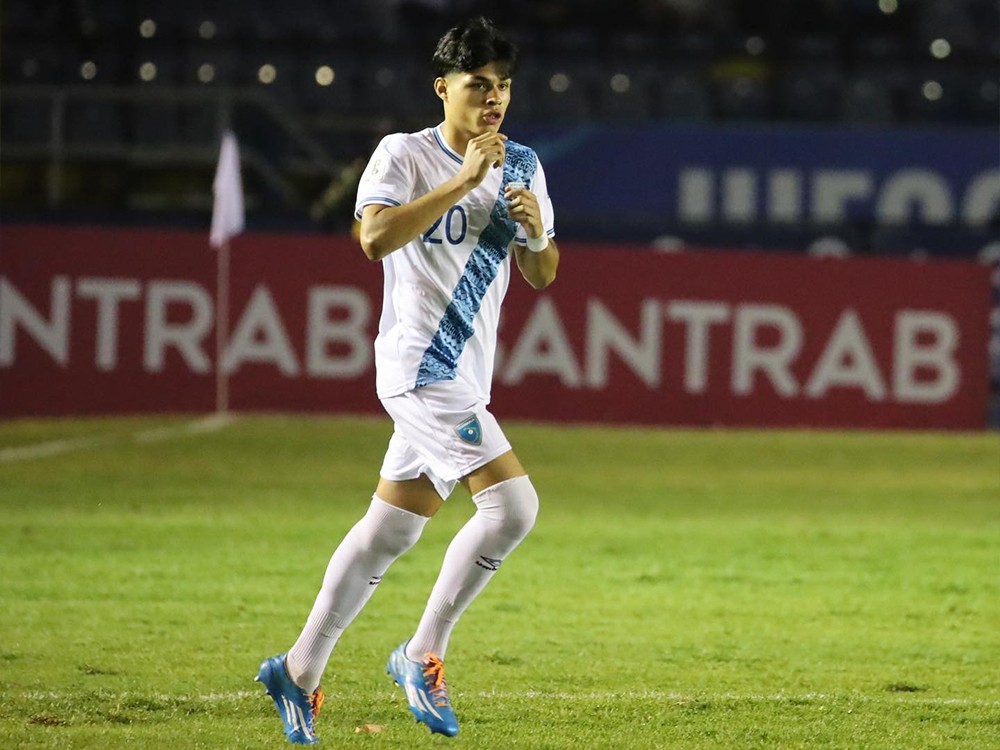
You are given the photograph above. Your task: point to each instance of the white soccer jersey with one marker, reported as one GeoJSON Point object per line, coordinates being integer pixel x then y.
{"type": "Point", "coordinates": [443, 290]}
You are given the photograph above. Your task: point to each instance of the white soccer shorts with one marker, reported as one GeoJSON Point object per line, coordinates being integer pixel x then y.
{"type": "Point", "coordinates": [441, 430]}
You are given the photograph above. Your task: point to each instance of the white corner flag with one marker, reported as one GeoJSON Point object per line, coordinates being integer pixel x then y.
{"type": "Point", "coordinates": [227, 210]}
{"type": "Point", "coordinates": [227, 222]}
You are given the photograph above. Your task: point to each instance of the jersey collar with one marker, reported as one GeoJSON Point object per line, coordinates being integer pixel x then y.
{"type": "Point", "coordinates": [439, 137]}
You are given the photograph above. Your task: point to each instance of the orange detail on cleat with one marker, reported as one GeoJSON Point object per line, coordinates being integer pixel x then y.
{"type": "Point", "coordinates": [434, 672]}
{"type": "Point", "coordinates": [316, 701]}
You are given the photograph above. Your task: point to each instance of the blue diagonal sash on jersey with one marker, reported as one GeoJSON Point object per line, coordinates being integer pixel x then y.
{"type": "Point", "coordinates": [440, 359]}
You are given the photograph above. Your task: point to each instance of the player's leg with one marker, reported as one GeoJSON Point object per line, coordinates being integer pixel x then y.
{"type": "Point", "coordinates": [394, 521]}
{"type": "Point", "coordinates": [414, 495]}
{"type": "Point", "coordinates": [506, 506]}
{"type": "Point", "coordinates": [395, 518]}
{"type": "Point", "coordinates": [458, 439]}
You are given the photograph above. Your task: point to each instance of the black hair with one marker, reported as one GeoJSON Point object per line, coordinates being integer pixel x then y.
{"type": "Point", "coordinates": [470, 46]}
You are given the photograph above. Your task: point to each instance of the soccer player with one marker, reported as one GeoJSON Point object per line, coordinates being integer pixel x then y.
{"type": "Point", "coordinates": [444, 210]}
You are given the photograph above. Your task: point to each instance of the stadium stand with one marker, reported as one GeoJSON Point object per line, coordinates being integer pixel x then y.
{"type": "Point", "coordinates": [114, 82]}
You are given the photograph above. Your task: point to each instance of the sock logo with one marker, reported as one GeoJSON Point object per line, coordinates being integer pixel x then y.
{"type": "Point", "coordinates": [375, 580]}
{"type": "Point", "coordinates": [490, 563]}
{"type": "Point", "coordinates": [470, 431]}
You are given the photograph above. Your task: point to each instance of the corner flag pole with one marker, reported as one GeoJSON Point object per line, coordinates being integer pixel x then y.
{"type": "Point", "coordinates": [227, 222]}
{"type": "Point", "coordinates": [221, 328]}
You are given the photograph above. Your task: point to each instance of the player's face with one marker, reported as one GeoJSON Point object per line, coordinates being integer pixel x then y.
{"type": "Point", "coordinates": [476, 102]}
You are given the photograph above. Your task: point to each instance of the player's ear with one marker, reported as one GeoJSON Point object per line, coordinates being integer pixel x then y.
{"type": "Point", "coordinates": [441, 89]}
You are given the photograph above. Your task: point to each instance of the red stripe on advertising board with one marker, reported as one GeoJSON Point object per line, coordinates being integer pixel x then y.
{"type": "Point", "coordinates": [118, 321]}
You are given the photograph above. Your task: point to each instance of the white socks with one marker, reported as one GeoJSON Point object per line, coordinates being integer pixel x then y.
{"type": "Point", "coordinates": [506, 512]}
{"type": "Point", "coordinates": [355, 570]}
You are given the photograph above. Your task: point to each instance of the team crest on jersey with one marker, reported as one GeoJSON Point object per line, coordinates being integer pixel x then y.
{"type": "Point", "coordinates": [470, 431]}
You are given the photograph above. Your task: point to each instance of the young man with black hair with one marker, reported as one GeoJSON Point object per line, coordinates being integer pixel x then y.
{"type": "Point", "coordinates": [443, 209]}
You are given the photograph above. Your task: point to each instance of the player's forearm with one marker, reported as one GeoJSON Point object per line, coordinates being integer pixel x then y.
{"type": "Point", "coordinates": [538, 269]}
{"type": "Point", "coordinates": [385, 229]}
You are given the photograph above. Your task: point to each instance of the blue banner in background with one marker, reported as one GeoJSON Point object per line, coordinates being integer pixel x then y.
{"type": "Point", "coordinates": [674, 175]}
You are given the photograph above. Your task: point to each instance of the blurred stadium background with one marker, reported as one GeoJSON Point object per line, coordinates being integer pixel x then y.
{"type": "Point", "coordinates": [112, 110]}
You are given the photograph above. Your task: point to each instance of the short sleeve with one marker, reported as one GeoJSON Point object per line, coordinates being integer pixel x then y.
{"type": "Point", "coordinates": [539, 187]}
{"type": "Point", "coordinates": [388, 179]}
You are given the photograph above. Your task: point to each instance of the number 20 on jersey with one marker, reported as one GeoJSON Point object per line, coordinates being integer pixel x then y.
{"type": "Point", "coordinates": [455, 225]}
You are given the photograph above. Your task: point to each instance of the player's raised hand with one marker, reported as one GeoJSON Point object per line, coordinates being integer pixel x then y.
{"type": "Point", "coordinates": [522, 205]}
{"type": "Point", "coordinates": [483, 152]}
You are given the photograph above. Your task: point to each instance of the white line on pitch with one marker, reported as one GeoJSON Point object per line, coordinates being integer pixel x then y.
{"type": "Point", "coordinates": [211, 423]}
{"type": "Point", "coordinates": [51, 448]}
{"type": "Point", "coordinates": [207, 424]}
{"type": "Point", "coordinates": [659, 695]}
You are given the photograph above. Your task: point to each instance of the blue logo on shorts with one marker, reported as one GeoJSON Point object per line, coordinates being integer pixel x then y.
{"type": "Point", "coordinates": [470, 431]}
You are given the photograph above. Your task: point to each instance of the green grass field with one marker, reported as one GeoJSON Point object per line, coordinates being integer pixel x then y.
{"type": "Point", "coordinates": [682, 589]}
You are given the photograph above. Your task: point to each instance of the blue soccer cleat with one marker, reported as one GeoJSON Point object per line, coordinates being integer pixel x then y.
{"type": "Point", "coordinates": [297, 708]}
{"type": "Point", "coordinates": [426, 690]}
